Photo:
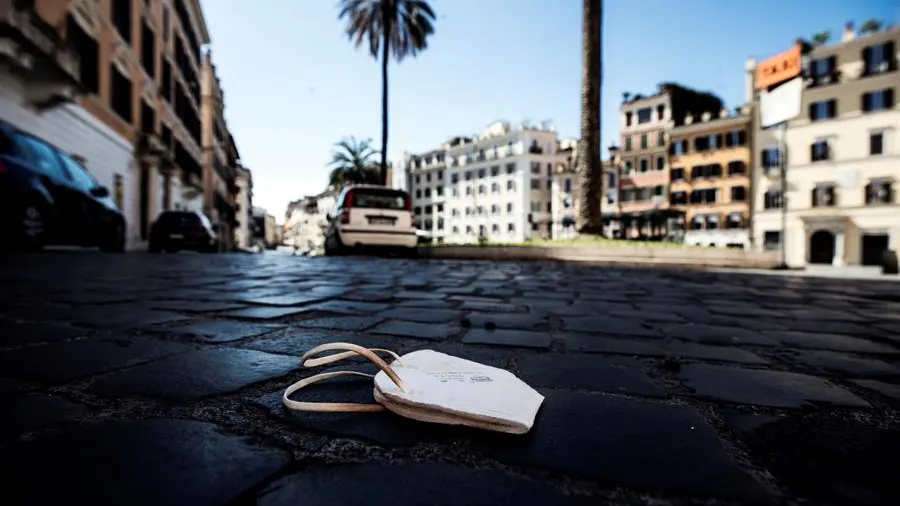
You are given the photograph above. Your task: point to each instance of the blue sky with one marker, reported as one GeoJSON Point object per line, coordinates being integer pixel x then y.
{"type": "Point", "coordinates": [294, 85]}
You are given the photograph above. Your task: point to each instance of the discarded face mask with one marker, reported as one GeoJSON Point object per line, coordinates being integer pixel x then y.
{"type": "Point", "coordinates": [429, 386]}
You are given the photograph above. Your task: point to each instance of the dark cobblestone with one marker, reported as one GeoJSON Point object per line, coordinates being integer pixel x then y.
{"type": "Point", "coordinates": [125, 376]}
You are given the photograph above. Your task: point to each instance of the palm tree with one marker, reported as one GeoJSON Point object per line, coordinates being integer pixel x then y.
{"type": "Point", "coordinates": [821, 38]}
{"type": "Point", "coordinates": [351, 163]}
{"type": "Point", "coordinates": [590, 172]}
{"type": "Point", "coordinates": [400, 27]}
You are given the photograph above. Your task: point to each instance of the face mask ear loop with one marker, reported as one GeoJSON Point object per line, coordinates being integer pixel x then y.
{"type": "Point", "coordinates": [352, 349]}
{"type": "Point", "coordinates": [329, 407]}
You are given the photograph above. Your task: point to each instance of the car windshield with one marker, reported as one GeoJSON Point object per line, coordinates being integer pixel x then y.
{"type": "Point", "coordinates": [379, 199]}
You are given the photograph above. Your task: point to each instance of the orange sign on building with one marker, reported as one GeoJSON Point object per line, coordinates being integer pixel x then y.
{"type": "Point", "coordinates": [779, 68]}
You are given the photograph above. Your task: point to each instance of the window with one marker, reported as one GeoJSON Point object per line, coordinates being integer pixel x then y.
{"type": "Point", "coordinates": [510, 185]}
{"type": "Point", "coordinates": [468, 175]}
{"type": "Point", "coordinates": [148, 50]}
{"type": "Point", "coordinates": [645, 165]}
{"type": "Point", "coordinates": [610, 182]}
{"type": "Point", "coordinates": [644, 115]}
{"type": "Point", "coordinates": [678, 174]}
{"type": "Point", "coordinates": [735, 220]}
{"type": "Point", "coordinates": [121, 18]}
{"type": "Point", "coordinates": [418, 194]}
{"type": "Point", "coordinates": [628, 168]}
{"type": "Point", "coordinates": [549, 169]}
{"type": "Point", "coordinates": [82, 179]}
{"type": "Point", "coordinates": [678, 198]}
{"type": "Point", "coordinates": [495, 170]}
{"type": "Point", "coordinates": [773, 199]}
{"type": "Point", "coordinates": [481, 189]}
{"type": "Point", "coordinates": [736, 138]}
{"type": "Point", "coordinates": [701, 144]}
{"type": "Point", "coordinates": [660, 163]}
{"type": "Point", "coordinates": [427, 193]}
{"type": "Point", "coordinates": [819, 151]}
{"type": "Point", "coordinates": [822, 71]}
{"type": "Point", "coordinates": [823, 196]}
{"type": "Point", "coordinates": [643, 141]}
{"type": "Point", "coordinates": [509, 208]}
{"type": "Point", "coordinates": [428, 177]}
{"type": "Point", "coordinates": [510, 227]}
{"type": "Point", "coordinates": [771, 240]}
{"type": "Point", "coordinates": [44, 158]}
{"type": "Point", "coordinates": [709, 196]}
{"type": "Point", "coordinates": [481, 173]}
{"type": "Point", "coordinates": [536, 168]}
{"type": "Point", "coordinates": [628, 146]}
{"type": "Point", "coordinates": [495, 187]}
{"type": "Point", "coordinates": [660, 138]}
{"type": "Point", "coordinates": [495, 209]}
{"type": "Point", "coordinates": [510, 168]}
{"type": "Point", "coordinates": [737, 168]}
{"type": "Point", "coordinates": [823, 110]}
{"type": "Point", "coordinates": [660, 112]}
{"type": "Point", "coordinates": [148, 118]}
{"type": "Point", "coordinates": [535, 206]}
{"type": "Point", "coordinates": [567, 185]}
{"type": "Point", "coordinates": [659, 190]}
{"type": "Point", "coordinates": [628, 118]}
{"type": "Point", "coordinates": [879, 192]}
{"type": "Point", "coordinates": [121, 93]}
{"type": "Point", "coordinates": [495, 228]}
{"type": "Point", "coordinates": [535, 184]}
{"type": "Point", "coordinates": [679, 147]}
{"type": "Point", "coordinates": [89, 52]}
{"type": "Point", "coordinates": [454, 178]}
{"type": "Point", "coordinates": [706, 171]}
{"type": "Point", "coordinates": [880, 100]}
{"type": "Point", "coordinates": [879, 59]}
{"type": "Point", "coordinates": [770, 158]}
{"type": "Point", "coordinates": [738, 193]}
{"type": "Point", "coordinates": [876, 143]}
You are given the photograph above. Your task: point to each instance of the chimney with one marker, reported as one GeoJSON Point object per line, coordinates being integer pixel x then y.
{"type": "Point", "coordinates": [849, 33]}
{"type": "Point", "coordinates": [749, 71]}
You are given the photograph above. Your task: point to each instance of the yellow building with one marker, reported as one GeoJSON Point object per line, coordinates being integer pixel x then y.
{"type": "Point", "coordinates": [710, 179]}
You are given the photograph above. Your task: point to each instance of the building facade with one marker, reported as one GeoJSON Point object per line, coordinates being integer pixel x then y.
{"type": "Point", "coordinates": [243, 204]}
{"type": "Point", "coordinates": [565, 196]}
{"type": "Point", "coordinates": [134, 115]}
{"type": "Point", "coordinates": [710, 179]}
{"type": "Point", "coordinates": [842, 158]}
{"type": "Point", "coordinates": [493, 186]}
{"type": "Point", "coordinates": [645, 124]}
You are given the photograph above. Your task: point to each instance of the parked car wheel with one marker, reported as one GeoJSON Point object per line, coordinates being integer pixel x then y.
{"type": "Point", "coordinates": [115, 242]}
{"type": "Point", "coordinates": [32, 225]}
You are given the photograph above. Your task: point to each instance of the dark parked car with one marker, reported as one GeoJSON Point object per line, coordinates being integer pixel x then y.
{"type": "Point", "coordinates": [183, 230]}
{"type": "Point", "coordinates": [48, 198]}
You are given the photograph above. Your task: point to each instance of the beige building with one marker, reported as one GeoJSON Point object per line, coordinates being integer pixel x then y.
{"type": "Point", "coordinates": [565, 195]}
{"type": "Point", "coordinates": [243, 205]}
{"type": "Point", "coordinates": [843, 158]}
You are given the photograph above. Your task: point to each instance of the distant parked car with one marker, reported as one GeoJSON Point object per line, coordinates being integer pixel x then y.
{"type": "Point", "coordinates": [183, 230]}
{"type": "Point", "coordinates": [48, 198]}
{"type": "Point", "coordinates": [371, 216]}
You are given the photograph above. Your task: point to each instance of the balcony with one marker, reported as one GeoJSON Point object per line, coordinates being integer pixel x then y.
{"type": "Point", "coordinates": [32, 48]}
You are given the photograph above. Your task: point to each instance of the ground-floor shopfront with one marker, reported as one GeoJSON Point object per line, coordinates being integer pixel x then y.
{"type": "Point", "coordinates": [838, 237]}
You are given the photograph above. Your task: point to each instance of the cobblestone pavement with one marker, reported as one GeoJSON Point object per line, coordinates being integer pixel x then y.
{"type": "Point", "coordinates": [139, 379]}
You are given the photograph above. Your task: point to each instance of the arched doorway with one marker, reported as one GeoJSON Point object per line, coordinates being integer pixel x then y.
{"type": "Point", "coordinates": [821, 247]}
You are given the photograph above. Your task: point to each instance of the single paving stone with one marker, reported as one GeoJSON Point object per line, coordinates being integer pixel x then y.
{"type": "Point", "coordinates": [830, 327]}
{"type": "Point", "coordinates": [718, 353]}
{"type": "Point", "coordinates": [649, 316]}
{"type": "Point", "coordinates": [582, 308]}
{"type": "Point", "coordinates": [263, 313]}
{"type": "Point", "coordinates": [515, 321]}
{"type": "Point", "coordinates": [885, 389]}
{"type": "Point", "coordinates": [368, 296]}
{"type": "Point", "coordinates": [197, 374]}
{"type": "Point", "coordinates": [587, 372]}
{"type": "Point", "coordinates": [285, 300]}
{"type": "Point", "coordinates": [501, 337]}
{"type": "Point", "coordinates": [60, 362]}
{"type": "Point", "coordinates": [430, 331]}
{"type": "Point", "coordinates": [409, 294]}
{"type": "Point", "coordinates": [603, 325]}
{"type": "Point", "coordinates": [844, 365]}
{"type": "Point", "coordinates": [714, 334]}
{"type": "Point", "coordinates": [220, 331]}
{"type": "Point", "coordinates": [594, 344]}
{"type": "Point", "coordinates": [24, 412]}
{"type": "Point", "coordinates": [833, 342]}
{"type": "Point", "coordinates": [499, 307]}
{"type": "Point", "coordinates": [765, 388]}
{"type": "Point", "coordinates": [421, 315]}
{"type": "Point", "coordinates": [147, 462]}
{"type": "Point", "coordinates": [627, 442]}
{"type": "Point", "coordinates": [345, 323]}
{"type": "Point", "coordinates": [350, 307]}
{"type": "Point", "coordinates": [425, 303]}
{"type": "Point", "coordinates": [829, 458]}
{"type": "Point", "coordinates": [194, 306]}
{"type": "Point", "coordinates": [124, 317]}
{"type": "Point", "coordinates": [302, 340]}
{"type": "Point", "coordinates": [422, 483]}
{"type": "Point", "coordinates": [17, 334]}
{"type": "Point", "coordinates": [382, 427]}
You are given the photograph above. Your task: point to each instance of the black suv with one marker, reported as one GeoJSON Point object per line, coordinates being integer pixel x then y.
{"type": "Point", "coordinates": [48, 198]}
{"type": "Point", "coordinates": [183, 230]}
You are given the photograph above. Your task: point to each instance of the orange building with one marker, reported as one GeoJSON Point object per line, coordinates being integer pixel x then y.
{"type": "Point", "coordinates": [710, 179]}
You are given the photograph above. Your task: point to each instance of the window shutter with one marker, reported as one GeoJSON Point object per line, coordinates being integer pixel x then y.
{"type": "Point", "coordinates": [742, 138]}
{"type": "Point", "coordinates": [889, 98]}
{"type": "Point", "coordinates": [832, 108]}
{"type": "Point", "coordinates": [866, 102]}
{"type": "Point", "coordinates": [812, 152]}
{"type": "Point", "coordinates": [812, 112]}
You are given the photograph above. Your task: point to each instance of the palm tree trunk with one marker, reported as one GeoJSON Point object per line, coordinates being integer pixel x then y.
{"type": "Point", "coordinates": [386, 18]}
{"type": "Point", "coordinates": [589, 168]}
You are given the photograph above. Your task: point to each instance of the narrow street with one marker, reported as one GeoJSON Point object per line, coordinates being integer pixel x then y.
{"type": "Point", "coordinates": [157, 379]}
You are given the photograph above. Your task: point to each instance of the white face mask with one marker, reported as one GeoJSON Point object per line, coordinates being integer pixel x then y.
{"type": "Point", "coordinates": [432, 387]}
